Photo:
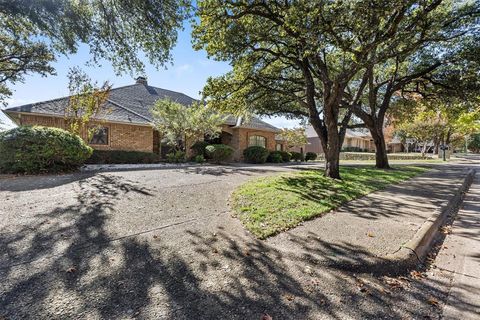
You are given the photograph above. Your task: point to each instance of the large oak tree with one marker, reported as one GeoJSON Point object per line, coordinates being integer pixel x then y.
{"type": "Point", "coordinates": [34, 32]}
{"type": "Point", "coordinates": [311, 58]}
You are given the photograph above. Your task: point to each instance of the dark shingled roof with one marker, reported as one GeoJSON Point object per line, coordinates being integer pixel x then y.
{"type": "Point", "coordinates": [131, 104]}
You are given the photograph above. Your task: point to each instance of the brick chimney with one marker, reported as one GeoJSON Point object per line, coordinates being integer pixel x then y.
{"type": "Point", "coordinates": [141, 80]}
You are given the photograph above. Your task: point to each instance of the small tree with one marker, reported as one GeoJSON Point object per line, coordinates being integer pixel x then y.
{"type": "Point", "coordinates": [177, 122]}
{"type": "Point", "coordinates": [474, 144]}
{"type": "Point", "coordinates": [295, 137]}
{"type": "Point", "coordinates": [86, 103]}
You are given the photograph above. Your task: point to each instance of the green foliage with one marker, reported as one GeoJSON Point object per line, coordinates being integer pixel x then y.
{"type": "Point", "coordinates": [177, 122]}
{"type": "Point", "coordinates": [199, 158]}
{"type": "Point", "coordinates": [297, 156]}
{"type": "Point", "coordinates": [255, 154]}
{"type": "Point", "coordinates": [87, 102]}
{"type": "Point", "coordinates": [310, 59]}
{"type": "Point", "coordinates": [286, 156]}
{"type": "Point", "coordinates": [219, 152]}
{"type": "Point", "coordinates": [292, 138]}
{"type": "Point", "coordinates": [122, 157]}
{"type": "Point", "coordinates": [306, 195]}
{"type": "Point", "coordinates": [36, 150]}
{"type": "Point", "coordinates": [176, 157]}
{"type": "Point", "coordinates": [33, 33]}
{"type": "Point", "coordinates": [353, 149]}
{"type": "Point", "coordinates": [310, 156]}
{"type": "Point", "coordinates": [275, 157]}
{"type": "Point", "coordinates": [199, 148]}
{"type": "Point", "coordinates": [474, 144]}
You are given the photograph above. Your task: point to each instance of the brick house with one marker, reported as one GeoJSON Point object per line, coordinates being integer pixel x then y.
{"type": "Point", "coordinates": [126, 122]}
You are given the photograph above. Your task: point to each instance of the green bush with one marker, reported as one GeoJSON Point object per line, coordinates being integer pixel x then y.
{"type": "Point", "coordinates": [40, 150]}
{"type": "Point", "coordinates": [121, 157]}
{"type": "Point", "coordinates": [353, 149]}
{"type": "Point", "coordinates": [176, 157]}
{"type": "Point", "coordinates": [286, 156]}
{"type": "Point", "coordinates": [255, 154]}
{"type": "Point", "coordinates": [275, 157]}
{"type": "Point", "coordinates": [474, 144]}
{"type": "Point", "coordinates": [199, 158]}
{"type": "Point", "coordinates": [371, 156]}
{"type": "Point", "coordinates": [297, 156]}
{"type": "Point", "coordinates": [310, 156]}
{"type": "Point", "coordinates": [198, 148]}
{"type": "Point", "coordinates": [219, 152]}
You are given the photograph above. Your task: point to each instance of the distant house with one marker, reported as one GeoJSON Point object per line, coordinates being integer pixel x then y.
{"type": "Point", "coordinates": [355, 140]}
{"type": "Point", "coordinates": [126, 122]}
{"type": "Point", "coordinates": [358, 140]}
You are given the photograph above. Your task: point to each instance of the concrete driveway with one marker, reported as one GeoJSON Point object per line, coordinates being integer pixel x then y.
{"type": "Point", "coordinates": [161, 244]}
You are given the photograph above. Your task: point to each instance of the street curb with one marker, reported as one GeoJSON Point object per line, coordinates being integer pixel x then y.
{"type": "Point", "coordinates": [416, 249]}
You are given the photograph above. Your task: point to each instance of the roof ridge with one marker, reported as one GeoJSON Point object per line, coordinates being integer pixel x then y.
{"type": "Point", "coordinates": [129, 110]}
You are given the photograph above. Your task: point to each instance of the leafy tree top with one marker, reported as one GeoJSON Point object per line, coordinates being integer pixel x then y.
{"type": "Point", "coordinates": [177, 122]}
{"type": "Point", "coordinates": [32, 33]}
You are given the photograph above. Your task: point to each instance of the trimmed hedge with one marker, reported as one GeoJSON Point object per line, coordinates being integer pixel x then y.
{"type": "Point", "coordinates": [371, 156]}
{"type": "Point", "coordinates": [39, 149]}
{"type": "Point", "coordinates": [198, 148]}
{"type": "Point", "coordinates": [176, 157]}
{"type": "Point", "coordinates": [219, 152]}
{"type": "Point", "coordinates": [275, 157]}
{"type": "Point", "coordinates": [286, 156]}
{"type": "Point", "coordinates": [256, 154]}
{"type": "Point", "coordinates": [122, 157]}
{"type": "Point", "coordinates": [297, 156]}
{"type": "Point", "coordinates": [310, 156]}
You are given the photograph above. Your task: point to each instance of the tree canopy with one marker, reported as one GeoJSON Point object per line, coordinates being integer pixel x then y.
{"type": "Point", "coordinates": [178, 123]}
{"type": "Point", "coordinates": [314, 58]}
{"type": "Point", "coordinates": [86, 103]}
{"type": "Point", "coordinates": [33, 33]}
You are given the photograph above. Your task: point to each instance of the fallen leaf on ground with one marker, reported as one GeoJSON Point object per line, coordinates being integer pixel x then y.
{"type": "Point", "coordinates": [394, 283]}
{"type": "Point", "coordinates": [446, 229]}
{"type": "Point", "coordinates": [433, 301]}
{"type": "Point", "coordinates": [417, 275]}
{"type": "Point", "coordinates": [71, 270]}
{"type": "Point", "coordinates": [371, 235]}
{"type": "Point", "coordinates": [289, 297]}
{"type": "Point", "coordinates": [266, 316]}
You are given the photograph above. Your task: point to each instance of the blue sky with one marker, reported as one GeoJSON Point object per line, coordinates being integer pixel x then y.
{"type": "Point", "coordinates": [187, 74]}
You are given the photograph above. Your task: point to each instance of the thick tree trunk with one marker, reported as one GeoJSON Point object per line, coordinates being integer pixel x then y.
{"type": "Point", "coordinates": [332, 154]}
{"type": "Point", "coordinates": [381, 156]}
{"type": "Point", "coordinates": [332, 157]}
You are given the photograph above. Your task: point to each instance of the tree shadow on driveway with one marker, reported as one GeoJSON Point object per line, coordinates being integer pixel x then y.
{"type": "Point", "coordinates": [65, 264]}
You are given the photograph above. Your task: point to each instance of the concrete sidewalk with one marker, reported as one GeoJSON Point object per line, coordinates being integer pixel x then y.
{"type": "Point", "coordinates": [360, 234]}
{"type": "Point", "coordinates": [461, 256]}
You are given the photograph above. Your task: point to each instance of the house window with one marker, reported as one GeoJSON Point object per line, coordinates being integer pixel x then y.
{"type": "Point", "coordinates": [258, 141]}
{"type": "Point", "coordinates": [279, 147]}
{"type": "Point", "coordinates": [100, 136]}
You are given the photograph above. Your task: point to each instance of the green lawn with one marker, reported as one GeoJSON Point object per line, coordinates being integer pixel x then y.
{"type": "Point", "coordinates": [267, 206]}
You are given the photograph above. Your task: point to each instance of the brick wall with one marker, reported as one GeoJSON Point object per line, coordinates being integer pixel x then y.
{"type": "Point", "coordinates": [239, 140]}
{"type": "Point", "coordinates": [121, 136]}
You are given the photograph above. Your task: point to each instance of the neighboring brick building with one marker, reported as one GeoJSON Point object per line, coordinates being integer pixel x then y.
{"type": "Point", "coordinates": [126, 121]}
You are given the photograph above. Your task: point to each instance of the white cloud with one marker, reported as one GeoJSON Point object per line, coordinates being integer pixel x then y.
{"type": "Point", "coordinates": [182, 69]}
